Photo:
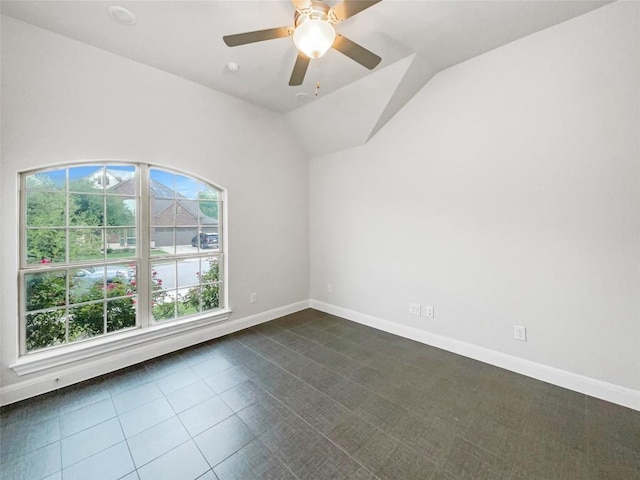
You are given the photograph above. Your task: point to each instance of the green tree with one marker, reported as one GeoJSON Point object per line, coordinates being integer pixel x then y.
{"type": "Point", "coordinates": [209, 293]}
{"type": "Point", "coordinates": [209, 208]}
{"type": "Point", "coordinates": [46, 212]}
{"type": "Point", "coordinates": [48, 290]}
{"type": "Point", "coordinates": [88, 207]}
{"type": "Point", "coordinates": [46, 234]}
{"type": "Point", "coordinates": [45, 328]}
{"type": "Point", "coordinates": [163, 307]}
{"type": "Point", "coordinates": [88, 320]}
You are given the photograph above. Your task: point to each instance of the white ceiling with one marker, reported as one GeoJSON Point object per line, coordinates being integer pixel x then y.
{"type": "Point", "coordinates": [418, 38]}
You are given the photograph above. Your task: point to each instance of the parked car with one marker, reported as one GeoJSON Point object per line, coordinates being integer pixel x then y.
{"type": "Point", "coordinates": [205, 240]}
{"type": "Point", "coordinates": [91, 274]}
{"type": "Point", "coordinates": [86, 279]}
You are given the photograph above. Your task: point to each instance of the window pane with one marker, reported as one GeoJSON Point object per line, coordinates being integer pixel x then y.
{"type": "Point", "coordinates": [46, 209]}
{"type": "Point", "coordinates": [133, 278]}
{"type": "Point", "coordinates": [45, 290]}
{"type": "Point", "coordinates": [187, 305]}
{"type": "Point", "coordinates": [210, 215]}
{"type": "Point", "coordinates": [211, 296]}
{"type": "Point", "coordinates": [193, 299]}
{"type": "Point", "coordinates": [163, 275]}
{"type": "Point", "coordinates": [121, 313]}
{"type": "Point", "coordinates": [45, 246]}
{"type": "Point", "coordinates": [86, 209]}
{"type": "Point", "coordinates": [188, 272]}
{"type": "Point", "coordinates": [121, 243]}
{"type": "Point", "coordinates": [187, 213]}
{"type": "Point", "coordinates": [121, 180]}
{"type": "Point", "coordinates": [51, 181]}
{"type": "Point", "coordinates": [45, 329]}
{"type": "Point", "coordinates": [164, 309]}
{"type": "Point", "coordinates": [86, 284]}
{"type": "Point", "coordinates": [155, 251]}
{"type": "Point", "coordinates": [121, 211]}
{"type": "Point", "coordinates": [85, 244]}
{"type": "Point", "coordinates": [210, 279]}
{"type": "Point", "coordinates": [210, 270]}
{"type": "Point", "coordinates": [186, 187]}
{"type": "Point", "coordinates": [163, 240]}
{"type": "Point", "coordinates": [205, 192]}
{"type": "Point", "coordinates": [119, 278]}
{"type": "Point", "coordinates": [185, 237]}
{"type": "Point", "coordinates": [206, 241]}
{"type": "Point", "coordinates": [88, 178]}
{"type": "Point", "coordinates": [163, 281]}
{"type": "Point", "coordinates": [163, 212]}
{"type": "Point", "coordinates": [161, 183]}
{"type": "Point", "coordinates": [86, 321]}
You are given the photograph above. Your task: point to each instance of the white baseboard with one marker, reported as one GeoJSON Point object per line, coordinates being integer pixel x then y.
{"type": "Point", "coordinates": [562, 378]}
{"type": "Point", "coordinates": [87, 369]}
{"type": "Point", "coordinates": [90, 369]}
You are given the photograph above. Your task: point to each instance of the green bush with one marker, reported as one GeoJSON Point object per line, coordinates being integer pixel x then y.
{"type": "Point", "coordinates": [206, 297]}
{"type": "Point", "coordinates": [49, 328]}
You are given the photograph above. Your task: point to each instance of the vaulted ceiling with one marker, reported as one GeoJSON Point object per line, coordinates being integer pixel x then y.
{"type": "Point", "coordinates": [415, 38]}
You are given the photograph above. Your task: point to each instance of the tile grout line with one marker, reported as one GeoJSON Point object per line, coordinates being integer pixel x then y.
{"type": "Point", "coordinates": [135, 468]}
{"type": "Point", "coordinates": [350, 410]}
{"type": "Point", "coordinates": [436, 462]}
{"type": "Point", "coordinates": [305, 421]}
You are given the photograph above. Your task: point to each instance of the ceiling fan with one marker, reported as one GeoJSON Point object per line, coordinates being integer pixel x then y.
{"type": "Point", "coordinates": [314, 33]}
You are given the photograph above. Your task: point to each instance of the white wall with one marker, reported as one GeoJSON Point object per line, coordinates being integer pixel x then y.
{"type": "Point", "coordinates": [505, 192]}
{"type": "Point", "coordinates": [65, 101]}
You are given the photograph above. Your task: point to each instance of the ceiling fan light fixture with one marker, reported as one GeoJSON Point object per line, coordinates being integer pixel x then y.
{"type": "Point", "coordinates": [314, 37]}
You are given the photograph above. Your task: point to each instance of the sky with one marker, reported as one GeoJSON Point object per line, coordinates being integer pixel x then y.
{"type": "Point", "coordinates": [186, 186]}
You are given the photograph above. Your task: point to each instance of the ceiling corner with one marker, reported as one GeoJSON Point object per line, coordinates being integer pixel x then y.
{"type": "Point", "coordinates": [355, 110]}
{"type": "Point", "coordinates": [417, 76]}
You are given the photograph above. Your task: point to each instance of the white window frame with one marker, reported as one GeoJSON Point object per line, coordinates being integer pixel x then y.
{"type": "Point", "coordinates": [146, 330]}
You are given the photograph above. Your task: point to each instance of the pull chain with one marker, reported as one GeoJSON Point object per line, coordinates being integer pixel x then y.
{"type": "Point", "coordinates": [317, 88]}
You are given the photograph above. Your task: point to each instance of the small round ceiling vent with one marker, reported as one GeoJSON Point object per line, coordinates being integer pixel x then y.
{"type": "Point", "coordinates": [122, 15]}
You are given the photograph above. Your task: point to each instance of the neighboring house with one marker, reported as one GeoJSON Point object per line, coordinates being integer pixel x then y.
{"type": "Point", "coordinates": [112, 178]}
{"type": "Point", "coordinates": [170, 210]}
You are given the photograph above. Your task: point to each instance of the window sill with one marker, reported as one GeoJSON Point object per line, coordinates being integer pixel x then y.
{"type": "Point", "coordinates": [36, 362]}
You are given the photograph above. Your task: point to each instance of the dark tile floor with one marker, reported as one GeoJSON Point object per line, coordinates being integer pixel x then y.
{"type": "Point", "coordinates": [312, 396]}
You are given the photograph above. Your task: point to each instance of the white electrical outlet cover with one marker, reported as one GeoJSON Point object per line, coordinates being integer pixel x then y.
{"type": "Point", "coordinates": [520, 333]}
{"type": "Point", "coordinates": [414, 309]}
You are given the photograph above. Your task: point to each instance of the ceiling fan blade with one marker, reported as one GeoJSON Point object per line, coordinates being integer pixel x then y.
{"type": "Point", "coordinates": [301, 5]}
{"type": "Point", "coordinates": [257, 36]}
{"type": "Point", "coordinates": [356, 52]}
{"type": "Point", "coordinates": [348, 8]}
{"type": "Point", "coordinates": [299, 70]}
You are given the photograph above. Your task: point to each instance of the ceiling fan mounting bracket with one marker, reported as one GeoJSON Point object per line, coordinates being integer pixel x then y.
{"type": "Point", "coordinates": [317, 10]}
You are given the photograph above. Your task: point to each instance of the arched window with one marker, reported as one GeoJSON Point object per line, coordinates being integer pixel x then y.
{"type": "Point", "coordinates": [108, 248]}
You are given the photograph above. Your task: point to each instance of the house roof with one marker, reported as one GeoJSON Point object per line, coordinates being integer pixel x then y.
{"type": "Point", "coordinates": [163, 196]}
